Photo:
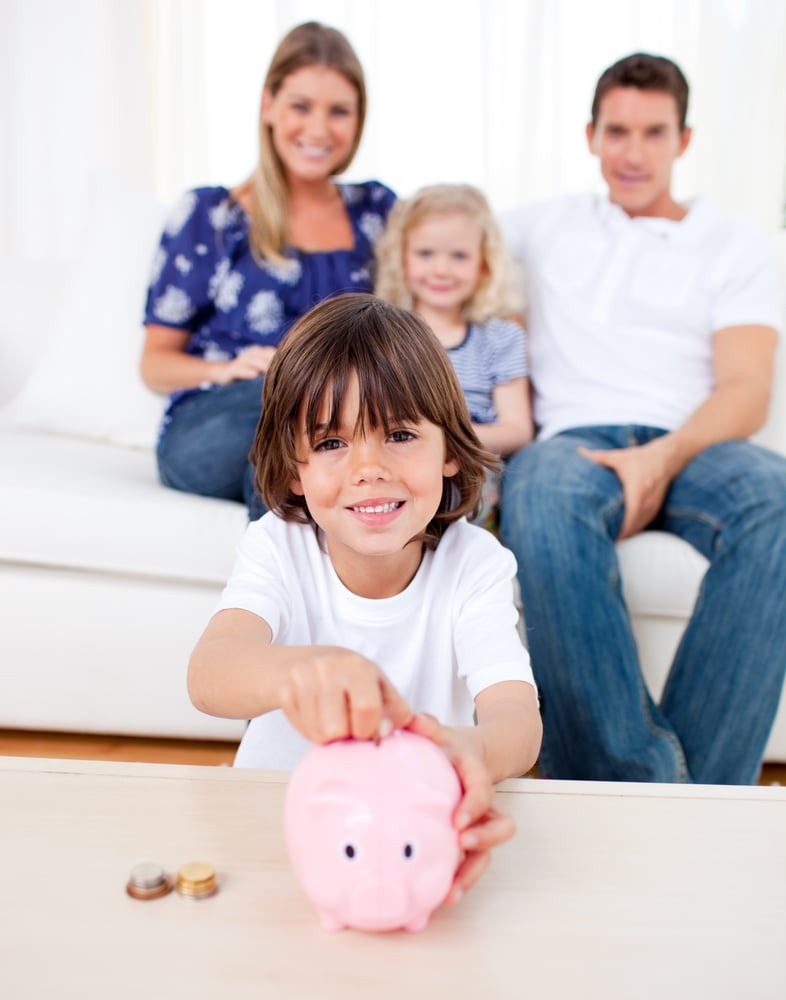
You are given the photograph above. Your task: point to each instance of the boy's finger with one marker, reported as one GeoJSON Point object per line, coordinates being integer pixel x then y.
{"type": "Point", "coordinates": [394, 707]}
{"type": "Point", "coordinates": [428, 726]}
{"type": "Point", "coordinates": [366, 708]}
{"type": "Point", "coordinates": [467, 874]}
{"type": "Point", "coordinates": [493, 830]}
{"type": "Point", "coordinates": [478, 795]}
{"type": "Point", "coordinates": [332, 712]}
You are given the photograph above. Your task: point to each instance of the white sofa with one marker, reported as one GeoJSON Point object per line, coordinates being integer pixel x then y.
{"type": "Point", "coordinates": [106, 577]}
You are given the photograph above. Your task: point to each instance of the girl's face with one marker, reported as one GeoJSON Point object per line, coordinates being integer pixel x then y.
{"type": "Point", "coordinates": [314, 121]}
{"type": "Point", "coordinates": [371, 494]}
{"type": "Point", "coordinates": [443, 263]}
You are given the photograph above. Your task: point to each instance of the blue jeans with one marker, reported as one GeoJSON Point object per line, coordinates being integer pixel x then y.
{"type": "Point", "coordinates": [561, 515]}
{"type": "Point", "coordinates": [205, 444]}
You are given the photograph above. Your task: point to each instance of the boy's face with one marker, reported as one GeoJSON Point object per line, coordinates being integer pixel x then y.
{"type": "Point", "coordinates": [371, 495]}
{"type": "Point", "coordinates": [637, 138]}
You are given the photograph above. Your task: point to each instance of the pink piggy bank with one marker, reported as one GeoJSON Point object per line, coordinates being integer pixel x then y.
{"type": "Point", "coordinates": [369, 828]}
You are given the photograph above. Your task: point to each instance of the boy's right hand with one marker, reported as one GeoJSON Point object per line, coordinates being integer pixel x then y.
{"type": "Point", "coordinates": [335, 693]}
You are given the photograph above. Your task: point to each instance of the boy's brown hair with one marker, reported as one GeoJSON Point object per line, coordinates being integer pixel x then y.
{"type": "Point", "coordinates": [403, 373]}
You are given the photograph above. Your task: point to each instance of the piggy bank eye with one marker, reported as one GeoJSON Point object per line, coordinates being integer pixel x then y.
{"type": "Point", "coordinates": [349, 851]}
{"type": "Point", "coordinates": [408, 851]}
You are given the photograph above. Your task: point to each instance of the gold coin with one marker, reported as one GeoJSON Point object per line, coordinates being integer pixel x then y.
{"type": "Point", "coordinates": [196, 879]}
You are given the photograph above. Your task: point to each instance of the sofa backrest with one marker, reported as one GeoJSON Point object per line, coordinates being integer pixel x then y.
{"type": "Point", "coordinates": [773, 434]}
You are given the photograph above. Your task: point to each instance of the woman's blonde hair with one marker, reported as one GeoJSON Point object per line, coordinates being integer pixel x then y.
{"type": "Point", "coordinates": [494, 295]}
{"type": "Point", "coordinates": [309, 44]}
{"type": "Point", "coordinates": [403, 374]}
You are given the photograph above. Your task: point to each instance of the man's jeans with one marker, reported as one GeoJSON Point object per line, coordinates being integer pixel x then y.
{"type": "Point", "coordinates": [204, 446]}
{"type": "Point", "coordinates": [561, 514]}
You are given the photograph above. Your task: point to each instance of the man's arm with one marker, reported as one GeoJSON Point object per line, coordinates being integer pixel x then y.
{"type": "Point", "coordinates": [743, 360]}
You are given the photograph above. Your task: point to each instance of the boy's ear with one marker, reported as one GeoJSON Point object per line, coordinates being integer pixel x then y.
{"type": "Point", "coordinates": [450, 468]}
{"type": "Point", "coordinates": [296, 486]}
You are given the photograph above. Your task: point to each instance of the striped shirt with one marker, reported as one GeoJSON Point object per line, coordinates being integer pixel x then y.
{"type": "Point", "coordinates": [492, 353]}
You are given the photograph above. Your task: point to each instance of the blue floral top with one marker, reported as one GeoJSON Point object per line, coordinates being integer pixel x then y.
{"type": "Point", "coordinates": [205, 280]}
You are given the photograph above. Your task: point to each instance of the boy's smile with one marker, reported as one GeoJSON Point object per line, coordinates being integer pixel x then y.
{"type": "Point", "coordinates": [372, 493]}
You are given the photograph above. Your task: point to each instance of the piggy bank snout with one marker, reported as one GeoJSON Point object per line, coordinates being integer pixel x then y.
{"type": "Point", "coordinates": [378, 904]}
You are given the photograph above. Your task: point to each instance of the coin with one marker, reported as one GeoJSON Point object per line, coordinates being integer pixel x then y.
{"type": "Point", "coordinates": [196, 880]}
{"type": "Point", "coordinates": [148, 881]}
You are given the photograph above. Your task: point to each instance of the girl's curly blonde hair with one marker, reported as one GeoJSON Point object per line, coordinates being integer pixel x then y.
{"type": "Point", "coordinates": [494, 295]}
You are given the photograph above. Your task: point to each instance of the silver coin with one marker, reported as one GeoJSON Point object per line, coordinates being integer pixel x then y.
{"type": "Point", "coordinates": [147, 875]}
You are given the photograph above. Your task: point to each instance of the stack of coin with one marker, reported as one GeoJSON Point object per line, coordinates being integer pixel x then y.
{"type": "Point", "coordinates": [196, 880]}
{"type": "Point", "coordinates": [148, 881]}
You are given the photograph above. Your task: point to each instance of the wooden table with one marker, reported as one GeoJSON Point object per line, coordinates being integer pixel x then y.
{"type": "Point", "coordinates": [607, 891]}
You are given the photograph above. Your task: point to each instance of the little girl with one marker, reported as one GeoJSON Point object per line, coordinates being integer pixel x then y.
{"type": "Point", "coordinates": [364, 596]}
{"type": "Point", "coordinates": [442, 256]}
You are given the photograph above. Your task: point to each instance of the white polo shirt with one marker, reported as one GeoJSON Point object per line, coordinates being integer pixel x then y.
{"type": "Point", "coordinates": [623, 311]}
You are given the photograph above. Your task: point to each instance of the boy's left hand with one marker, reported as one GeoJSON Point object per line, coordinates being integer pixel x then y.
{"type": "Point", "coordinates": [480, 823]}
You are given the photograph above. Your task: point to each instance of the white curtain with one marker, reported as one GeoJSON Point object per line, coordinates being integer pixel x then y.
{"type": "Point", "coordinates": [164, 94]}
{"type": "Point", "coordinates": [72, 104]}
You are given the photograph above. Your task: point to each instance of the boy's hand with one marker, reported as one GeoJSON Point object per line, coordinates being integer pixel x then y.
{"type": "Point", "coordinates": [480, 823]}
{"type": "Point", "coordinates": [334, 694]}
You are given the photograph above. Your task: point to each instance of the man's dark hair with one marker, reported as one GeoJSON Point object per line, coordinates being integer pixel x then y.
{"type": "Point", "coordinates": [644, 72]}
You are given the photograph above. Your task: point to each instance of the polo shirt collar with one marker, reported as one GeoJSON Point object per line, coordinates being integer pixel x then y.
{"type": "Point", "coordinates": [615, 218]}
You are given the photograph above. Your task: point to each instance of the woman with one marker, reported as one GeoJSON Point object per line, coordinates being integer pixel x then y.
{"type": "Point", "coordinates": [235, 268]}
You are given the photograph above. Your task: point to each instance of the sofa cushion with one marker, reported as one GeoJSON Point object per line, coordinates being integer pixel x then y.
{"type": "Point", "coordinates": [661, 574]}
{"type": "Point", "coordinates": [81, 504]}
{"type": "Point", "coordinates": [86, 380]}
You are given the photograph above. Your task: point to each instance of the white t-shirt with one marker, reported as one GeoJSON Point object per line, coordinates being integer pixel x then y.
{"type": "Point", "coordinates": [444, 639]}
{"type": "Point", "coordinates": [623, 311]}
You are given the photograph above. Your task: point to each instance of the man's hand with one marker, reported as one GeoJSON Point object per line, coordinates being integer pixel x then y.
{"type": "Point", "coordinates": [333, 693]}
{"type": "Point", "coordinates": [480, 823]}
{"type": "Point", "coordinates": [645, 475]}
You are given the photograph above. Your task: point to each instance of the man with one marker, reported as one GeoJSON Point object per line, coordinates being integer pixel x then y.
{"type": "Point", "coordinates": [652, 333]}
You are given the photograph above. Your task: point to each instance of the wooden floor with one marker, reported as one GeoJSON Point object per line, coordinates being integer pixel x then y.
{"type": "Point", "coordinates": [18, 743]}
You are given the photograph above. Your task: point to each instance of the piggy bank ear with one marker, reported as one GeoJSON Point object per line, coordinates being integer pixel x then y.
{"type": "Point", "coordinates": [433, 804]}
{"type": "Point", "coordinates": [435, 799]}
{"type": "Point", "coordinates": [332, 797]}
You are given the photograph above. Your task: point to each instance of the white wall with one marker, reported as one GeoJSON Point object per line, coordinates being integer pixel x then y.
{"type": "Point", "coordinates": [164, 93]}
